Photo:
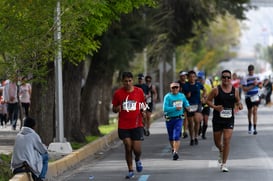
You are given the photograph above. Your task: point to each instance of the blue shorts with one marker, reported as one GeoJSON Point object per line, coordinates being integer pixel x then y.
{"type": "Point", "coordinates": [174, 128]}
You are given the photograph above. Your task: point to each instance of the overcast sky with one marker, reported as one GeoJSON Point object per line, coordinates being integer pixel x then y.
{"type": "Point", "coordinates": [258, 29]}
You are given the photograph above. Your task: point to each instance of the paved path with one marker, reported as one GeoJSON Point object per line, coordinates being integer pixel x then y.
{"type": "Point", "coordinates": [251, 157]}
{"type": "Point", "coordinates": [7, 136]}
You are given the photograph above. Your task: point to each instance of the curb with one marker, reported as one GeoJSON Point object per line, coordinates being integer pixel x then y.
{"type": "Point", "coordinates": [59, 166]}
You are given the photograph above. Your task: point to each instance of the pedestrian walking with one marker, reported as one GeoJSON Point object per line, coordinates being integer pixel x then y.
{"type": "Point", "coordinates": [129, 102]}
{"type": "Point", "coordinates": [173, 107]}
{"type": "Point", "coordinates": [222, 99]}
{"type": "Point", "coordinates": [251, 84]}
{"type": "Point", "coordinates": [10, 95]}
{"type": "Point", "coordinates": [25, 95]}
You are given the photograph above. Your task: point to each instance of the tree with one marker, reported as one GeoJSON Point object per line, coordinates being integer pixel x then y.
{"type": "Point", "coordinates": [118, 47]}
{"type": "Point", "coordinates": [177, 22]}
{"type": "Point", "coordinates": [31, 50]}
{"type": "Point", "coordinates": [213, 45]}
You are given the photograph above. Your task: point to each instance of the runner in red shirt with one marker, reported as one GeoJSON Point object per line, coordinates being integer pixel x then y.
{"type": "Point", "coordinates": [129, 102]}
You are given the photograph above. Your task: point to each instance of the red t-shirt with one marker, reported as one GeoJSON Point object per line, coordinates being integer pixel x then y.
{"type": "Point", "coordinates": [131, 103]}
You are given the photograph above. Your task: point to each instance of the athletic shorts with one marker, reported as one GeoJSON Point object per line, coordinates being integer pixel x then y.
{"type": "Point", "coordinates": [174, 128]}
{"type": "Point", "coordinates": [206, 110]}
{"type": "Point", "coordinates": [135, 134]}
{"type": "Point", "coordinates": [221, 126]}
{"type": "Point", "coordinates": [199, 109]}
{"type": "Point", "coordinates": [250, 104]}
{"type": "Point", "coordinates": [150, 107]}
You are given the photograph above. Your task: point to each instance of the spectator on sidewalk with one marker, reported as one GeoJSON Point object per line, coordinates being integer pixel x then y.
{"type": "Point", "coordinates": [25, 95]}
{"type": "Point", "coordinates": [29, 152]}
{"type": "Point", "coordinates": [129, 102]}
{"type": "Point", "coordinates": [11, 98]}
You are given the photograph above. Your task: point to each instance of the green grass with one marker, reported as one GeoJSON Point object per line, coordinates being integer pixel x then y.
{"type": "Point", "coordinates": [5, 171]}
{"type": "Point", "coordinates": [104, 129]}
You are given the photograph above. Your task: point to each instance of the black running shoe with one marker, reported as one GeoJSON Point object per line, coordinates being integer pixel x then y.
{"type": "Point", "coordinates": [192, 142]}
{"type": "Point", "coordinates": [196, 141]}
{"type": "Point", "coordinates": [175, 156]}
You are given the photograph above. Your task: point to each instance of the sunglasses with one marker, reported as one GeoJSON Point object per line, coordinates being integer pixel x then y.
{"type": "Point", "coordinates": [175, 87]}
{"type": "Point", "coordinates": [226, 77]}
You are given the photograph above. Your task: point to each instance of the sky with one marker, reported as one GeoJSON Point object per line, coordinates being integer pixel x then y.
{"type": "Point", "coordinates": [258, 29]}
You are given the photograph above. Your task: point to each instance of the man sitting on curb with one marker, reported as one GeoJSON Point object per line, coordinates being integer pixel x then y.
{"type": "Point", "coordinates": [29, 153]}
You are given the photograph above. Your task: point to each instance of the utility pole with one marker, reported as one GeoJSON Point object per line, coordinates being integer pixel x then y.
{"type": "Point", "coordinates": [60, 145]}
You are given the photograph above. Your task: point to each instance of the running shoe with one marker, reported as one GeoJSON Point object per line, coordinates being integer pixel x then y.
{"type": "Point", "coordinates": [185, 135]}
{"type": "Point", "coordinates": [192, 142]}
{"type": "Point", "coordinates": [249, 129]}
{"type": "Point", "coordinates": [175, 156]}
{"type": "Point", "coordinates": [255, 132]}
{"type": "Point", "coordinates": [130, 175]}
{"type": "Point", "coordinates": [196, 141]}
{"type": "Point", "coordinates": [147, 132]}
{"type": "Point", "coordinates": [139, 166]}
{"type": "Point", "coordinates": [224, 168]}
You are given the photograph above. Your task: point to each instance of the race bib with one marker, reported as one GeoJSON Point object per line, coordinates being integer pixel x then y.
{"type": "Point", "coordinates": [255, 98]}
{"type": "Point", "coordinates": [226, 113]}
{"type": "Point", "coordinates": [193, 108]}
{"type": "Point", "coordinates": [129, 105]}
{"type": "Point", "coordinates": [177, 103]}
{"type": "Point", "coordinates": [149, 99]}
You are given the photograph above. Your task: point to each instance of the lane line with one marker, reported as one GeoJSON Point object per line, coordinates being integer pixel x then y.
{"type": "Point", "coordinates": [143, 178]}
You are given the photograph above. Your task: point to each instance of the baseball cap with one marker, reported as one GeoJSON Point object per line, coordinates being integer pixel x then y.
{"type": "Point", "coordinates": [183, 73]}
{"type": "Point", "coordinates": [201, 75]}
{"type": "Point", "coordinates": [140, 76]}
{"type": "Point", "coordinates": [174, 84]}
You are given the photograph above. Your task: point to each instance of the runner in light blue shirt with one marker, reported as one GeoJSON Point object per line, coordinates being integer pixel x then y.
{"type": "Point", "coordinates": [173, 107]}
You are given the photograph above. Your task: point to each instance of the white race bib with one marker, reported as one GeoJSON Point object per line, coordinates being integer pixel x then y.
{"type": "Point", "coordinates": [177, 103]}
{"type": "Point", "coordinates": [149, 99]}
{"type": "Point", "coordinates": [255, 98]}
{"type": "Point", "coordinates": [226, 113]}
{"type": "Point", "coordinates": [129, 105]}
{"type": "Point", "coordinates": [193, 108]}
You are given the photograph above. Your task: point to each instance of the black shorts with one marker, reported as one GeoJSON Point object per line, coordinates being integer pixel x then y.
{"type": "Point", "coordinates": [222, 125]}
{"type": "Point", "coordinates": [250, 104]}
{"type": "Point", "coordinates": [135, 134]}
{"type": "Point", "coordinates": [199, 109]}
{"type": "Point", "coordinates": [150, 107]}
{"type": "Point", "coordinates": [206, 110]}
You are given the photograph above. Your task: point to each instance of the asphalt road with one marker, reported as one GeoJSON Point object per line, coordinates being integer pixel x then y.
{"type": "Point", "coordinates": [251, 157]}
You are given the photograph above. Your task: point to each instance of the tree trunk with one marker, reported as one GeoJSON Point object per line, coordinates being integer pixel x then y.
{"type": "Point", "coordinates": [72, 81]}
{"type": "Point", "coordinates": [42, 107]}
{"type": "Point", "coordinates": [96, 96]}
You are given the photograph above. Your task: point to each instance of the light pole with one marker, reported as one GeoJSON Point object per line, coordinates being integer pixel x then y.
{"type": "Point", "coordinates": [60, 144]}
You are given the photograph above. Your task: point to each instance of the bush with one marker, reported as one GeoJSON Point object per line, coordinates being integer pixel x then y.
{"type": "Point", "coordinates": [5, 171]}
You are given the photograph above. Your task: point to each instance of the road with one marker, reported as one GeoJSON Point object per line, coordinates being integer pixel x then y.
{"type": "Point", "coordinates": [251, 157]}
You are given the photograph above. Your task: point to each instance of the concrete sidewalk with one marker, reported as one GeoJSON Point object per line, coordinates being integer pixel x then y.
{"type": "Point", "coordinates": [59, 166]}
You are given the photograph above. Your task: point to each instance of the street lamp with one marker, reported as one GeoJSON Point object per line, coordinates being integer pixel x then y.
{"type": "Point", "coordinates": [60, 145]}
